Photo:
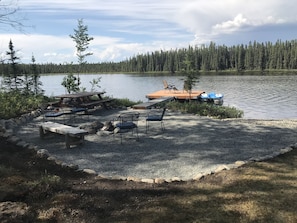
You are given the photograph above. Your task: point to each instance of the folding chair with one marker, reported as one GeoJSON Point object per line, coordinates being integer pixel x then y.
{"type": "Point", "coordinates": [155, 116]}
{"type": "Point", "coordinates": [126, 122]}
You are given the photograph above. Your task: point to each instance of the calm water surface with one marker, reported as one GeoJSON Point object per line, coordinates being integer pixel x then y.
{"type": "Point", "coordinates": [261, 97]}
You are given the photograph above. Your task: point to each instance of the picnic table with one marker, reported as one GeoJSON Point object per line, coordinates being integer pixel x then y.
{"type": "Point", "coordinates": [82, 100]}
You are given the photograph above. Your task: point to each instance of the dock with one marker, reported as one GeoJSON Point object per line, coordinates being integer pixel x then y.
{"type": "Point", "coordinates": [153, 103]}
{"type": "Point", "coordinates": [176, 94]}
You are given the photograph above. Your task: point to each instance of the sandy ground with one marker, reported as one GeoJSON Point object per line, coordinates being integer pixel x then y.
{"type": "Point", "coordinates": [189, 146]}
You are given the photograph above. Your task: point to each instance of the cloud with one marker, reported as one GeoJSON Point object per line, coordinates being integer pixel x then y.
{"type": "Point", "coordinates": [123, 28]}
{"type": "Point", "coordinates": [61, 49]}
{"type": "Point", "coordinates": [45, 48]}
{"type": "Point", "coordinates": [232, 25]}
{"type": "Point", "coordinates": [210, 19]}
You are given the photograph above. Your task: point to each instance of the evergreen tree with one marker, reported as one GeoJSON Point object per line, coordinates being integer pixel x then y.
{"type": "Point", "coordinates": [35, 78]}
{"type": "Point", "coordinates": [12, 79]}
{"type": "Point", "coordinates": [82, 41]}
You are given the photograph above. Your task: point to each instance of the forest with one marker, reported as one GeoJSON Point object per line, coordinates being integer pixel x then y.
{"type": "Point", "coordinates": [255, 56]}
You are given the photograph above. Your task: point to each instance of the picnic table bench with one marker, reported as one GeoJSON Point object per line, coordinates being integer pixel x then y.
{"type": "Point", "coordinates": [94, 103]}
{"type": "Point", "coordinates": [73, 135]}
{"type": "Point", "coordinates": [82, 99]}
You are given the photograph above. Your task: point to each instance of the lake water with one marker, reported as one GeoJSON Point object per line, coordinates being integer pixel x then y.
{"type": "Point", "coordinates": [260, 97]}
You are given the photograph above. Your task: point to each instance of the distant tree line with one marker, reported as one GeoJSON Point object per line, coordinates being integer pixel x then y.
{"type": "Point", "coordinates": [254, 56]}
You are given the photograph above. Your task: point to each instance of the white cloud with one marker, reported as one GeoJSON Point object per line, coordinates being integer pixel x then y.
{"type": "Point", "coordinates": [53, 49]}
{"type": "Point", "coordinates": [45, 48]}
{"type": "Point", "coordinates": [212, 18]}
{"type": "Point", "coordinates": [231, 26]}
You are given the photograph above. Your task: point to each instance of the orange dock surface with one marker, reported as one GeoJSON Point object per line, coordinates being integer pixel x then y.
{"type": "Point", "coordinates": [177, 94]}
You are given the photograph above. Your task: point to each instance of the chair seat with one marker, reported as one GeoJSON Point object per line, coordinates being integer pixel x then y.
{"type": "Point", "coordinates": [126, 125]}
{"type": "Point", "coordinates": [74, 110]}
{"type": "Point", "coordinates": [154, 118]}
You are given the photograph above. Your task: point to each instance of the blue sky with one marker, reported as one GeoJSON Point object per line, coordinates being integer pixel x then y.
{"type": "Point", "coordinates": [124, 28]}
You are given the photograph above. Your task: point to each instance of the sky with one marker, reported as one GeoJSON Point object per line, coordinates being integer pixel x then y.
{"type": "Point", "coordinates": [125, 28]}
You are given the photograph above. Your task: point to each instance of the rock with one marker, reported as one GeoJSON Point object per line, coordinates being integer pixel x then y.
{"type": "Point", "coordinates": [159, 181]}
{"type": "Point", "coordinates": [221, 168]}
{"type": "Point", "coordinates": [135, 179]}
{"type": "Point", "coordinates": [91, 127]}
{"type": "Point", "coordinates": [58, 162]}
{"type": "Point", "coordinates": [74, 167]}
{"type": "Point", "coordinates": [150, 181]}
{"type": "Point", "coordinates": [43, 153]}
{"type": "Point", "coordinates": [286, 150]}
{"type": "Point", "coordinates": [177, 179]}
{"type": "Point", "coordinates": [198, 176]}
{"type": "Point", "coordinates": [51, 158]}
{"type": "Point", "coordinates": [118, 178]}
{"type": "Point", "coordinates": [239, 163]}
{"type": "Point", "coordinates": [90, 171]}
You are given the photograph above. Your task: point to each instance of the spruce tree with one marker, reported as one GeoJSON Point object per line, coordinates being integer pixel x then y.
{"type": "Point", "coordinates": [12, 79]}
{"type": "Point", "coordinates": [82, 41]}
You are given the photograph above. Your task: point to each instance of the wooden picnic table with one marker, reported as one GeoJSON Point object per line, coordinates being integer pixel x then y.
{"type": "Point", "coordinates": [82, 100]}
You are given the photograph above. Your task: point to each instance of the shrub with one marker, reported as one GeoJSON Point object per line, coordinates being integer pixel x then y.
{"type": "Point", "coordinates": [205, 109]}
{"type": "Point", "coordinates": [14, 103]}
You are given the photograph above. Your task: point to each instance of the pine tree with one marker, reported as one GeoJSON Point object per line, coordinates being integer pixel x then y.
{"type": "Point", "coordinates": [13, 80]}
{"type": "Point", "coordinates": [82, 41]}
{"type": "Point", "coordinates": [36, 83]}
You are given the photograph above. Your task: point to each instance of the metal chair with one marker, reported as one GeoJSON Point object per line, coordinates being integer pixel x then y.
{"type": "Point", "coordinates": [155, 116]}
{"type": "Point", "coordinates": [126, 122]}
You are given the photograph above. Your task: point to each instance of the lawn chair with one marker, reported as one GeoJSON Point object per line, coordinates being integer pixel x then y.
{"type": "Point", "coordinates": [168, 86]}
{"type": "Point", "coordinates": [155, 116]}
{"type": "Point", "coordinates": [126, 122]}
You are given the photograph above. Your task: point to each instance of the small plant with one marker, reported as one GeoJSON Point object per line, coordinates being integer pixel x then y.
{"type": "Point", "coordinates": [71, 83]}
{"type": "Point", "coordinates": [95, 83]}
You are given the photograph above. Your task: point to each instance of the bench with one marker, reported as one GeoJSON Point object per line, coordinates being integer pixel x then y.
{"type": "Point", "coordinates": [73, 135]}
{"type": "Point", "coordinates": [94, 103]}
{"type": "Point", "coordinates": [153, 103]}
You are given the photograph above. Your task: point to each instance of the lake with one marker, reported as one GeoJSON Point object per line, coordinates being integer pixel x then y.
{"type": "Point", "coordinates": [260, 97]}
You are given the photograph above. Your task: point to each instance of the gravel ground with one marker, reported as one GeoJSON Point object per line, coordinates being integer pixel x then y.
{"type": "Point", "coordinates": [190, 145]}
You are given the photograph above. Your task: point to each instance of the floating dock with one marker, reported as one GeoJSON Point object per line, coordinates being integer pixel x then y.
{"type": "Point", "coordinates": [176, 94]}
